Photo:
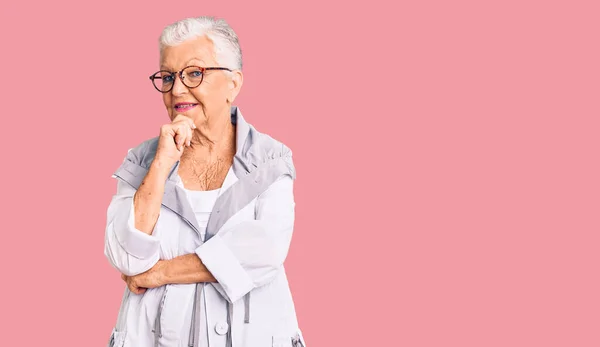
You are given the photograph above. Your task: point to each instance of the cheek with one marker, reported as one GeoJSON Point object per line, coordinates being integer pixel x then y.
{"type": "Point", "coordinates": [167, 99]}
{"type": "Point", "coordinates": [215, 93]}
{"type": "Point", "coordinates": [167, 102]}
{"type": "Point", "coordinates": [211, 95]}
{"type": "Point", "coordinates": [202, 95]}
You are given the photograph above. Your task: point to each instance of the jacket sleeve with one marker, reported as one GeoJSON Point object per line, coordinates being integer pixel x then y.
{"type": "Point", "coordinates": [251, 253]}
{"type": "Point", "coordinates": [128, 250]}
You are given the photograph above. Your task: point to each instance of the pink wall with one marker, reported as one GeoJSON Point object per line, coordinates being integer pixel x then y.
{"type": "Point", "coordinates": [447, 158]}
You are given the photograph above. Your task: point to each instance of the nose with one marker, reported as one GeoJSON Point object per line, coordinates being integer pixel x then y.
{"type": "Point", "coordinates": [178, 86]}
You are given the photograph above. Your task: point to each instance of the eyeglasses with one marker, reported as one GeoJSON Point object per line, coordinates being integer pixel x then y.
{"type": "Point", "coordinates": [190, 76]}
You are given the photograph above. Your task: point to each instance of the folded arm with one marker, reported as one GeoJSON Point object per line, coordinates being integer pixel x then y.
{"type": "Point", "coordinates": [247, 255]}
{"type": "Point", "coordinates": [129, 243]}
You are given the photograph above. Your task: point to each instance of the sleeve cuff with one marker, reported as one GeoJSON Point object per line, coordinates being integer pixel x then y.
{"type": "Point", "coordinates": [225, 268]}
{"type": "Point", "coordinates": [136, 242]}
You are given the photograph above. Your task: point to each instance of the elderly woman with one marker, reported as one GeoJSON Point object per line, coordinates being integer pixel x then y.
{"type": "Point", "coordinates": [202, 219]}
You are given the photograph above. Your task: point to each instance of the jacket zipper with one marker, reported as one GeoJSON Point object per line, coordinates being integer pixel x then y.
{"type": "Point", "coordinates": [157, 326]}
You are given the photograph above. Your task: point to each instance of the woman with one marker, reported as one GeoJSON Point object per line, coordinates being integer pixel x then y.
{"type": "Point", "coordinates": [203, 215]}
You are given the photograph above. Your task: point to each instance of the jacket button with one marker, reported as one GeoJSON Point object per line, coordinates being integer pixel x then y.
{"type": "Point", "coordinates": [221, 328]}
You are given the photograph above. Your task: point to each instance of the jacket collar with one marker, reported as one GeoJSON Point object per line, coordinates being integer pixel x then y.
{"type": "Point", "coordinates": [256, 155]}
{"type": "Point", "coordinates": [135, 167]}
{"type": "Point", "coordinates": [240, 166]}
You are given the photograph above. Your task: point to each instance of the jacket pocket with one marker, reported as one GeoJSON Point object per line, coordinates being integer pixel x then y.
{"type": "Point", "coordinates": [298, 340]}
{"type": "Point", "coordinates": [295, 340]}
{"type": "Point", "coordinates": [117, 338]}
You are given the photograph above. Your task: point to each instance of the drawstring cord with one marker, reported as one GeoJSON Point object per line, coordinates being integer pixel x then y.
{"type": "Point", "coordinates": [247, 304]}
{"type": "Point", "coordinates": [192, 339]}
{"type": "Point", "coordinates": [228, 342]}
{"type": "Point", "coordinates": [157, 329]}
{"type": "Point", "coordinates": [194, 328]}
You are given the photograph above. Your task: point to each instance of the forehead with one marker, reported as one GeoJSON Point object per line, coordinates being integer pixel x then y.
{"type": "Point", "coordinates": [194, 51]}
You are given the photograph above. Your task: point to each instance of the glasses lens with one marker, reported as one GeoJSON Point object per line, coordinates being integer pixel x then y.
{"type": "Point", "coordinates": [192, 76]}
{"type": "Point", "coordinates": [163, 80]}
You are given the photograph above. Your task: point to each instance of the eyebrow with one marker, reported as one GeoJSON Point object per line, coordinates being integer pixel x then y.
{"type": "Point", "coordinates": [163, 67]}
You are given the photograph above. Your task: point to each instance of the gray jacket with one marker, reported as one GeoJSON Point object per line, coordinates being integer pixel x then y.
{"type": "Point", "coordinates": [244, 247]}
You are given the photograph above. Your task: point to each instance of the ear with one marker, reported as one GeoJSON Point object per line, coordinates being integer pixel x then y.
{"type": "Point", "coordinates": [235, 85]}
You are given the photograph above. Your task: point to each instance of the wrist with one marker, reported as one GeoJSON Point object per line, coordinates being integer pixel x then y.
{"type": "Point", "coordinates": [163, 273]}
{"type": "Point", "coordinates": [161, 167]}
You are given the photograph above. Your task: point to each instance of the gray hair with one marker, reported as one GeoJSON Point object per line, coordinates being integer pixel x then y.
{"type": "Point", "coordinates": [225, 41]}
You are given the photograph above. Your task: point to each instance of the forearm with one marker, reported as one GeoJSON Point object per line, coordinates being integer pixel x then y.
{"type": "Point", "coordinates": [186, 269]}
{"type": "Point", "coordinates": [148, 198]}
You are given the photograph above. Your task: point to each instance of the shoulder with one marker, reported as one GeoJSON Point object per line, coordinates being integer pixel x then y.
{"type": "Point", "coordinates": [143, 153]}
{"type": "Point", "coordinates": [263, 148]}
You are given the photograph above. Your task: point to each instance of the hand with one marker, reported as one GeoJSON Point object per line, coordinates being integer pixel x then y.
{"type": "Point", "coordinates": [152, 278]}
{"type": "Point", "coordinates": [174, 137]}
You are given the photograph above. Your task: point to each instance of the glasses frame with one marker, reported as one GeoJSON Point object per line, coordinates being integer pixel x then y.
{"type": "Point", "coordinates": [180, 74]}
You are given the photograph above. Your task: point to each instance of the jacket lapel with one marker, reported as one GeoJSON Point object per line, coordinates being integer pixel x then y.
{"type": "Point", "coordinates": [174, 197]}
{"type": "Point", "coordinates": [244, 181]}
{"type": "Point", "coordinates": [243, 192]}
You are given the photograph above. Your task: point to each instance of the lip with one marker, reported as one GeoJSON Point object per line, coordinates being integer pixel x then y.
{"type": "Point", "coordinates": [184, 106]}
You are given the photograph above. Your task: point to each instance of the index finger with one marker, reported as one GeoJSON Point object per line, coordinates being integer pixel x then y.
{"type": "Point", "coordinates": [186, 119]}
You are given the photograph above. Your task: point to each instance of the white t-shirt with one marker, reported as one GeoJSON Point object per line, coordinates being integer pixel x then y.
{"type": "Point", "coordinates": [202, 202]}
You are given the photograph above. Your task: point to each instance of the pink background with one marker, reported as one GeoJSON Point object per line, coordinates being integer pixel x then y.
{"type": "Point", "coordinates": [447, 157]}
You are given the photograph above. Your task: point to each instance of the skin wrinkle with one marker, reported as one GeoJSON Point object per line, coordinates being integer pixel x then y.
{"type": "Point", "coordinates": [205, 163]}
{"type": "Point", "coordinates": [209, 173]}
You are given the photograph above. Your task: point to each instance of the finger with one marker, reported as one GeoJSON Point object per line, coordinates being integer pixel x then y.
{"type": "Point", "coordinates": [185, 133]}
{"type": "Point", "coordinates": [190, 134]}
{"type": "Point", "coordinates": [188, 126]}
{"type": "Point", "coordinates": [184, 136]}
{"type": "Point", "coordinates": [183, 128]}
{"type": "Point", "coordinates": [178, 118]}
{"type": "Point", "coordinates": [182, 118]}
{"type": "Point", "coordinates": [135, 289]}
{"type": "Point", "coordinates": [180, 136]}
{"type": "Point", "coordinates": [192, 124]}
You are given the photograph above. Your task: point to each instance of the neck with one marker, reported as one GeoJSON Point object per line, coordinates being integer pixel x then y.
{"type": "Point", "coordinates": [213, 140]}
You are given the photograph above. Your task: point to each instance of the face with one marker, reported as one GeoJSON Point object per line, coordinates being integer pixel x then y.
{"type": "Point", "coordinates": [213, 97]}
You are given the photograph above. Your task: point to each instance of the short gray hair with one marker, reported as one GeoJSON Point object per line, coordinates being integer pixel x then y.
{"type": "Point", "coordinates": [225, 41]}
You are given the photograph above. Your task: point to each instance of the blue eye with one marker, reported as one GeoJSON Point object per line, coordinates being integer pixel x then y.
{"type": "Point", "coordinates": [196, 73]}
{"type": "Point", "coordinates": [167, 79]}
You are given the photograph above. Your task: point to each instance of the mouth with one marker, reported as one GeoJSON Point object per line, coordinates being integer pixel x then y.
{"type": "Point", "coordinates": [184, 106]}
